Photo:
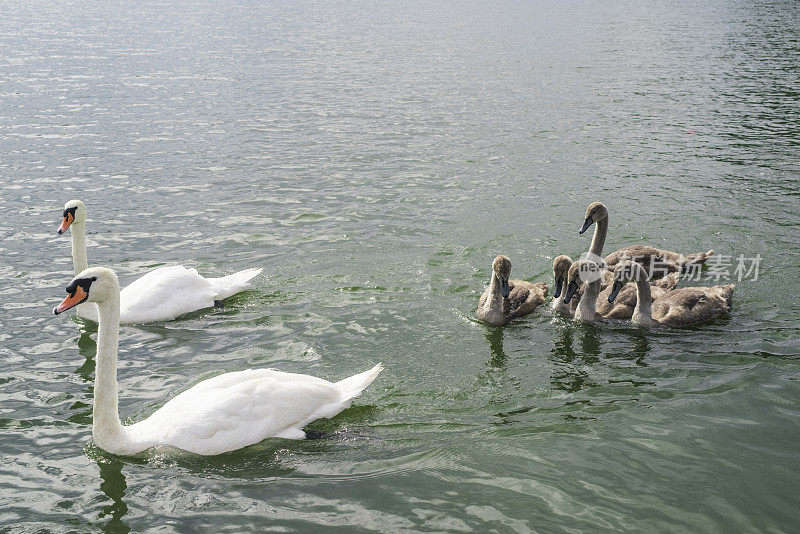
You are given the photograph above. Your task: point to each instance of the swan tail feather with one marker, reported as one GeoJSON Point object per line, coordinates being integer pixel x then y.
{"type": "Point", "coordinates": [291, 433]}
{"type": "Point", "coordinates": [727, 294]}
{"type": "Point", "coordinates": [698, 258]}
{"type": "Point", "coordinates": [232, 284]}
{"type": "Point", "coordinates": [351, 387]}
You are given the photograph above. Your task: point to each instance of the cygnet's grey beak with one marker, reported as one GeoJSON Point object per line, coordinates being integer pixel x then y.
{"type": "Point", "coordinates": [586, 224]}
{"type": "Point", "coordinates": [505, 290]}
{"type": "Point", "coordinates": [615, 290]}
{"type": "Point", "coordinates": [570, 292]}
{"type": "Point", "coordinates": [557, 288]}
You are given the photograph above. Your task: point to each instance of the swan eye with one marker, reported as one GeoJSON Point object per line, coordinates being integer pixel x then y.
{"type": "Point", "coordinates": [69, 218]}
{"type": "Point", "coordinates": [83, 283]}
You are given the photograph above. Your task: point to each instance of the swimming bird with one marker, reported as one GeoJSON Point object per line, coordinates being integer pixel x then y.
{"type": "Point", "coordinates": [625, 302]}
{"type": "Point", "coordinates": [621, 308]}
{"type": "Point", "coordinates": [160, 295]}
{"type": "Point", "coordinates": [657, 262]}
{"type": "Point", "coordinates": [590, 274]}
{"type": "Point", "coordinates": [506, 299]}
{"type": "Point", "coordinates": [679, 307]}
{"type": "Point", "coordinates": [561, 265]}
{"type": "Point", "coordinates": [221, 414]}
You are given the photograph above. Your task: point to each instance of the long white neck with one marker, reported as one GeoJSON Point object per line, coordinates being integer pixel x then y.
{"type": "Point", "coordinates": [643, 312]}
{"type": "Point", "coordinates": [79, 259]}
{"type": "Point", "coordinates": [587, 306]}
{"type": "Point", "coordinates": [87, 310]}
{"type": "Point", "coordinates": [599, 239]}
{"type": "Point", "coordinates": [106, 427]}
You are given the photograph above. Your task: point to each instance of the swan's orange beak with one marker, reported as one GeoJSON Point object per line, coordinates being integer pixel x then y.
{"type": "Point", "coordinates": [68, 218]}
{"type": "Point", "coordinates": [72, 300]}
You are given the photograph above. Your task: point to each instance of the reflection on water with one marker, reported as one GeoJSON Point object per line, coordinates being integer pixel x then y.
{"type": "Point", "coordinates": [590, 341]}
{"type": "Point", "coordinates": [87, 347]}
{"type": "Point", "coordinates": [568, 373]}
{"type": "Point", "coordinates": [266, 460]}
{"type": "Point", "coordinates": [562, 346]}
{"type": "Point", "coordinates": [113, 485]}
{"type": "Point", "coordinates": [494, 336]}
{"type": "Point", "coordinates": [640, 346]}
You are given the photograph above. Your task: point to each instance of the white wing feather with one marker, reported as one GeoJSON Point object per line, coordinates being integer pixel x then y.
{"type": "Point", "coordinates": [169, 292]}
{"type": "Point", "coordinates": [164, 294]}
{"type": "Point", "coordinates": [238, 409]}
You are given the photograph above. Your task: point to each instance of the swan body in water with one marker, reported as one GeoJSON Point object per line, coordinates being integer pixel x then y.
{"type": "Point", "coordinates": [504, 299]}
{"type": "Point", "coordinates": [160, 295]}
{"type": "Point", "coordinates": [221, 414]}
{"type": "Point", "coordinates": [679, 307]}
{"type": "Point", "coordinates": [657, 262]}
{"type": "Point", "coordinates": [621, 308]}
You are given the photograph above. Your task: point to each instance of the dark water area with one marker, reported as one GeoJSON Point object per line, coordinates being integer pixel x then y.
{"type": "Point", "coordinates": [374, 158]}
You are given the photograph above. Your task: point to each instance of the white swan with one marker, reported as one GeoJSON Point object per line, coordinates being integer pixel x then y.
{"type": "Point", "coordinates": [160, 295]}
{"type": "Point", "coordinates": [221, 414]}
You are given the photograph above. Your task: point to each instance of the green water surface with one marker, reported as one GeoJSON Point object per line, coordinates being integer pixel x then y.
{"type": "Point", "coordinates": [374, 158]}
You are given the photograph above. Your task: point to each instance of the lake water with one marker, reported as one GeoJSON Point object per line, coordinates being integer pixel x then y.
{"type": "Point", "coordinates": [374, 158]}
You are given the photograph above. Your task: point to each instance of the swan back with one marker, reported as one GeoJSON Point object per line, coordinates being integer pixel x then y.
{"type": "Point", "coordinates": [229, 285]}
{"type": "Point", "coordinates": [164, 294]}
{"type": "Point", "coordinates": [625, 301]}
{"type": "Point", "coordinates": [238, 409]}
{"type": "Point", "coordinates": [691, 305]}
{"type": "Point", "coordinates": [676, 307]}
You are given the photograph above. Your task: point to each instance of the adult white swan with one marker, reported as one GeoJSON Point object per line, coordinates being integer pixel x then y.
{"type": "Point", "coordinates": [160, 295]}
{"type": "Point", "coordinates": [221, 414]}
